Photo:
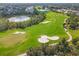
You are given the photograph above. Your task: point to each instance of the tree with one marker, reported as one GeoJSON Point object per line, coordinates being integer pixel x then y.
{"type": "Point", "coordinates": [73, 21]}
{"type": "Point", "coordinates": [63, 48]}
{"type": "Point", "coordinates": [3, 25]}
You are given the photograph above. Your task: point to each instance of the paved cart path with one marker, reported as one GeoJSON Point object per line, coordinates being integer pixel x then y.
{"type": "Point", "coordinates": [67, 32]}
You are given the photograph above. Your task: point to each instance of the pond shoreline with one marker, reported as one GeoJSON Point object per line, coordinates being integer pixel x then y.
{"type": "Point", "coordinates": [19, 18]}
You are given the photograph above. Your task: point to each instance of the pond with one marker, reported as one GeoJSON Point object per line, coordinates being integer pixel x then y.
{"type": "Point", "coordinates": [19, 18]}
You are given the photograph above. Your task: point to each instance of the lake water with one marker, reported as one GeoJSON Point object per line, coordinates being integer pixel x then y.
{"type": "Point", "coordinates": [19, 18]}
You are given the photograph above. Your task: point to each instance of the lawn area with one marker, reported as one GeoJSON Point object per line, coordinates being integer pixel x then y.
{"type": "Point", "coordinates": [54, 27]}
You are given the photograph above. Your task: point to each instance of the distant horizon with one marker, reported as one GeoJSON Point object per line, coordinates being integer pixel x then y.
{"type": "Point", "coordinates": [39, 1]}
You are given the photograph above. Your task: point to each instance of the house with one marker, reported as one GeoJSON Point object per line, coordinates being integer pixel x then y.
{"type": "Point", "coordinates": [42, 10]}
{"type": "Point", "coordinates": [30, 9]}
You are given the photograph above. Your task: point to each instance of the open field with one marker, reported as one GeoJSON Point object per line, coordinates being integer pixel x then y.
{"type": "Point", "coordinates": [29, 39]}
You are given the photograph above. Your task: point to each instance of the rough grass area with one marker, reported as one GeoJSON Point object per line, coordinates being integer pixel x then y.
{"type": "Point", "coordinates": [74, 33]}
{"type": "Point", "coordinates": [53, 28]}
{"type": "Point", "coordinates": [12, 39]}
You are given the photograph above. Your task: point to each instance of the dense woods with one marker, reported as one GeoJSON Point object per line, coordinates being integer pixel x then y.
{"type": "Point", "coordinates": [3, 25]}
{"type": "Point", "coordinates": [7, 11]}
{"type": "Point", "coordinates": [63, 48]}
{"type": "Point", "coordinates": [73, 21]}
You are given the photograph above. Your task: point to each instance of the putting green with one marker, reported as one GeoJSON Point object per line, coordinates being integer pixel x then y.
{"type": "Point", "coordinates": [53, 28]}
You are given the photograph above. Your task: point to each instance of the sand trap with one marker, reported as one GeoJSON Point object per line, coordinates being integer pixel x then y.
{"type": "Point", "coordinates": [53, 44]}
{"type": "Point", "coordinates": [24, 54]}
{"type": "Point", "coordinates": [45, 22]}
{"type": "Point", "coordinates": [18, 32]}
{"type": "Point", "coordinates": [53, 38]}
{"type": "Point", "coordinates": [45, 38]}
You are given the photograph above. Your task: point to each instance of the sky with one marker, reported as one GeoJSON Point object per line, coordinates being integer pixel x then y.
{"type": "Point", "coordinates": [39, 1]}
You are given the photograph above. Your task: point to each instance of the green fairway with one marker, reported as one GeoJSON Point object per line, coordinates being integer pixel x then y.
{"type": "Point", "coordinates": [53, 28]}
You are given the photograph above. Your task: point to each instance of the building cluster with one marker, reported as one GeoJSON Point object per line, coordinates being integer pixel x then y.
{"type": "Point", "coordinates": [24, 9]}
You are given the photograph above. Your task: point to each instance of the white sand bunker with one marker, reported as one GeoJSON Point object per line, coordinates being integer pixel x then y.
{"type": "Point", "coordinates": [18, 32]}
{"type": "Point", "coordinates": [53, 38]}
{"type": "Point", "coordinates": [45, 38]}
{"type": "Point", "coordinates": [45, 22]}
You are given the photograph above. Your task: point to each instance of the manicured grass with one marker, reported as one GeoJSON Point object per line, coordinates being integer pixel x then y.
{"type": "Point", "coordinates": [55, 27]}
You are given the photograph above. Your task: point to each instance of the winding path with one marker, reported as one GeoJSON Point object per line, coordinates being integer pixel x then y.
{"type": "Point", "coordinates": [67, 32]}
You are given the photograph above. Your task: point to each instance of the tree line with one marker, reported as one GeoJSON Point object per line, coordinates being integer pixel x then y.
{"type": "Point", "coordinates": [35, 19]}
{"type": "Point", "coordinates": [73, 21]}
{"type": "Point", "coordinates": [63, 48]}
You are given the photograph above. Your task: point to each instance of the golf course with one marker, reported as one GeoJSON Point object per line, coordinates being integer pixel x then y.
{"type": "Point", "coordinates": [18, 41]}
